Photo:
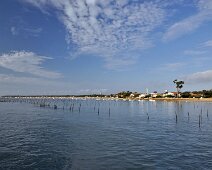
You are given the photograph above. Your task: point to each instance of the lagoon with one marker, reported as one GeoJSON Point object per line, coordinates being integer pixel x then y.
{"type": "Point", "coordinates": [106, 135]}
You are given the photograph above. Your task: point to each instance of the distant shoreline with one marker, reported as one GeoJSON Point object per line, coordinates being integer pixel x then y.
{"type": "Point", "coordinates": [184, 99]}
{"type": "Point", "coordinates": [112, 98]}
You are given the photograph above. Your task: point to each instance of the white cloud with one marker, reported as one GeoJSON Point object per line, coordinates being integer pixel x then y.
{"type": "Point", "coordinates": [208, 43]}
{"type": "Point", "coordinates": [14, 31]}
{"type": "Point", "coordinates": [26, 31]}
{"type": "Point", "coordinates": [33, 31]}
{"type": "Point", "coordinates": [204, 5]}
{"type": "Point", "coordinates": [107, 28]}
{"type": "Point", "coordinates": [191, 23]}
{"type": "Point", "coordinates": [26, 62]}
{"type": "Point", "coordinates": [199, 77]}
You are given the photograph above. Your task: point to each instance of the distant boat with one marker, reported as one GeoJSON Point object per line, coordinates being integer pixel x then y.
{"type": "Point", "coordinates": [151, 100]}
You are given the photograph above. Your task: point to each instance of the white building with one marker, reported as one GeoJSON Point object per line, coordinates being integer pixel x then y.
{"type": "Point", "coordinates": [173, 94]}
{"type": "Point", "coordinates": [142, 95]}
{"type": "Point", "coordinates": [154, 94]}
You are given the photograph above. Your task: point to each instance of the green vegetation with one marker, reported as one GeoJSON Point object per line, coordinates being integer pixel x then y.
{"type": "Point", "coordinates": [124, 94]}
{"type": "Point", "coordinates": [207, 94]}
{"type": "Point", "coordinates": [159, 96]}
{"type": "Point", "coordinates": [170, 96]}
{"type": "Point", "coordinates": [186, 95]}
{"type": "Point", "coordinates": [197, 94]}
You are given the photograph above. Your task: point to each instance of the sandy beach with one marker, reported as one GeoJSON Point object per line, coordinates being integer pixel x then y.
{"type": "Point", "coordinates": [183, 99]}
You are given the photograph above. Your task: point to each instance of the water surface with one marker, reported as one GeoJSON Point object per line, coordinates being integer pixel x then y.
{"type": "Point", "coordinates": [131, 135]}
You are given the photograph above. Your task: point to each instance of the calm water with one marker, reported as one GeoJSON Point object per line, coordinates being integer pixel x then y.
{"type": "Point", "coordinates": [43, 138]}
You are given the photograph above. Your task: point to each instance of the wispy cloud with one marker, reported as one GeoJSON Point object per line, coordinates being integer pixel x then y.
{"type": "Point", "coordinates": [207, 43]}
{"type": "Point", "coordinates": [173, 66]}
{"type": "Point", "coordinates": [107, 28]}
{"type": "Point", "coordinates": [194, 52]}
{"type": "Point", "coordinates": [92, 91]}
{"type": "Point", "coordinates": [16, 30]}
{"type": "Point", "coordinates": [21, 27]}
{"type": "Point", "coordinates": [200, 50]}
{"type": "Point", "coordinates": [199, 77]}
{"type": "Point", "coordinates": [10, 78]}
{"type": "Point", "coordinates": [13, 85]}
{"type": "Point", "coordinates": [191, 23]}
{"type": "Point", "coordinates": [27, 62]}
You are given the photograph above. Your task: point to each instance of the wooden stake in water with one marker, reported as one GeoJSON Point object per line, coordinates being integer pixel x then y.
{"type": "Point", "coordinates": [207, 113]}
{"type": "Point", "coordinates": [147, 116]}
{"type": "Point", "coordinates": [72, 108]}
{"type": "Point", "coordinates": [98, 111]}
{"type": "Point", "coordinates": [176, 116]}
{"type": "Point", "coordinates": [188, 116]}
{"type": "Point", "coordinates": [199, 121]}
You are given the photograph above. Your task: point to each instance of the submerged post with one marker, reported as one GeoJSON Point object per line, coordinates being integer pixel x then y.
{"type": "Point", "coordinates": [72, 108]}
{"type": "Point", "coordinates": [188, 116]}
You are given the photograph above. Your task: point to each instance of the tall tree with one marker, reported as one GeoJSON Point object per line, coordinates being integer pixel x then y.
{"type": "Point", "coordinates": [179, 85]}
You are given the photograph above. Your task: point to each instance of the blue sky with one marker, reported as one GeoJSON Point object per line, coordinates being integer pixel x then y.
{"type": "Point", "coordinates": [93, 46]}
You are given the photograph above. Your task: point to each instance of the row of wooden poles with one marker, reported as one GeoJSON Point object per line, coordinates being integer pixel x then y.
{"type": "Point", "coordinates": [199, 117]}
{"type": "Point", "coordinates": [72, 104]}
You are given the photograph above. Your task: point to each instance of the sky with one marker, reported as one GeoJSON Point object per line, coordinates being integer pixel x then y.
{"type": "Point", "coordinates": [104, 46]}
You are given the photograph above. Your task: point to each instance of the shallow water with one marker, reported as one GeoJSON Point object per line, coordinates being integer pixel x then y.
{"type": "Point", "coordinates": [134, 135]}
